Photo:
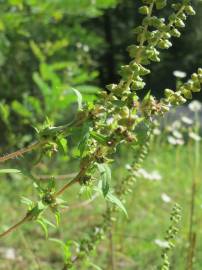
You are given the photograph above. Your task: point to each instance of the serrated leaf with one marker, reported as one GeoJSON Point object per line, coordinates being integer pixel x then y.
{"type": "Point", "coordinates": [10, 171]}
{"type": "Point", "coordinates": [62, 145]}
{"type": "Point", "coordinates": [113, 199]}
{"type": "Point", "coordinates": [105, 173]}
{"type": "Point", "coordinates": [79, 98]}
{"type": "Point", "coordinates": [44, 227]}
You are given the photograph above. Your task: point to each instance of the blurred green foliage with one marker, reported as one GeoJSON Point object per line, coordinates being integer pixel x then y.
{"type": "Point", "coordinates": [48, 47]}
{"type": "Point", "coordinates": [44, 51]}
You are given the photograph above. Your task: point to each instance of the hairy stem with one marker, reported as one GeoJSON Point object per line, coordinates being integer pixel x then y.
{"type": "Point", "coordinates": [14, 227]}
{"type": "Point", "coordinates": [21, 152]}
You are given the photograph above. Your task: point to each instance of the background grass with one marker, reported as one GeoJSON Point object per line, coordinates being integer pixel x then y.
{"type": "Point", "coordinates": [134, 238]}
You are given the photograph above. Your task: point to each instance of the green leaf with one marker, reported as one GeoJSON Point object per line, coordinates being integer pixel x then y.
{"type": "Point", "coordinates": [94, 266]}
{"type": "Point", "coordinates": [160, 4]}
{"type": "Point", "coordinates": [51, 184]}
{"type": "Point", "coordinates": [83, 143]}
{"type": "Point", "coordinates": [79, 98]}
{"type": "Point", "coordinates": [26, 201]}
{"type": "Point", "coordinates": [62, 145]}
{"type": "Point", "coordinates": [98, 137]}
{"type": "Point", "coordinates": [105, 173]}
{"type": "Point", "coordinates": [10, 171]}
{"type": "Point", "coordinates": [46, 221]}
{"type": "Point", "coordinates": [113, 199]}
{"type": "Point", "coordinates": [57, 218]}
{"type": "Point", "coordinates": [21, 109]}
{"type": "Point", "coordinates": [44, 227]}
{"type": "Point", "coordinates": [44, 224]}
{"type": "Point", "coordinates": [37, 51]}
{"type": "Point", "coordinates": [65, 247]}
{"type": "Point", "coordinates": [58, 241]}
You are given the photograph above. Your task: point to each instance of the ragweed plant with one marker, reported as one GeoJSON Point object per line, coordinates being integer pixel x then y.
{"type": "Point", "coordinates": [118, 117]}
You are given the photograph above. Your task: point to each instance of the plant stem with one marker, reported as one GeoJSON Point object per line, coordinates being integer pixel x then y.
{"type": "Point", "coordinates": [75, 180]}
{"type": "Point", "coordinates": [192, 221]}
{"type": "Point", "coordinates": [112, 261]}
{"type": "Point", "coordinates": [22, 151]}
{"type": "Point", "coordinates": [14, 227]}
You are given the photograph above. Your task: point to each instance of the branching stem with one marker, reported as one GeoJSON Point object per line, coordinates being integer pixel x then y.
{"type": "Point", "coordinates": [21, 152]}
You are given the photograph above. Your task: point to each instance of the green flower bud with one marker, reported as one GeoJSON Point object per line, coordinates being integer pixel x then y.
{"type": "Point", "coordinates": [137, 85]}
{"type": "Point", "coordinates": [143, 71]}
{"type": "Point", "coordinates": [134, 67]}
{"type": "Point", "coordinates": [168, 92]}
{"type": "Point", "coordinates": [48, 199]}
{"type": "Point", "coordinates": [177, 6]}
{"type": "Point", "coordinates": [189, 85]}
{"type": "Point", "coordinates": [126, 71]}
{"type": "Point", "coordinates": [172, 17]}
{"type": "Point", "coordinates": [138, 30]}
{"type": "Point", "coordinates": [189, 10]}
{"type": "Point", "coordinates": [156, 22]}
{"type": "Point", "coordinates": [194, 77]}
{"type": "Point", "coordinates": [144, 10]}
{"type": "Point", "coordinates": [111, 87]}
{"type": "Point", "coordinates": [133, 50]}
{"type": "Point", "coordinates": [196, 87]}
{"type": "Point", "coordinates": [124, 112]}
{"type": "Point", "coordinates": [182, 16]}
{"type": "Point", "coordinates": [177, 94]}
{"type": "Point", "coordinates": [182, 100]}
{"type": "Point", "coordinates": [187, 93]}
{"type": "Point", "coordinates": [160, 4]}
{"type": "Point", "coordinates": [153, 54]}
{"type": "Point", "coordinates": [164, 44]}
{"type": "Point", "coordinates": [175, 33]}
{"type": "Point", "coordinates": [200, 78]}
{"type": "Point", "coordinates": [199, 74]}
{"type": "Point", "coordinates": [199, 71]}
{"type": "Point", "coordinates": [179, 23]}
{"type": "Point", "coordinates": [165, 108]}
{"type": "Point", "coordinates": [167, 35]}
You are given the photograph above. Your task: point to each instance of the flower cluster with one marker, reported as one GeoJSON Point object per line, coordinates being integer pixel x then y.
{"type": "Point", "coordinates": [175, 218]}
{"type": "Point", "coordinates": [185, 90]}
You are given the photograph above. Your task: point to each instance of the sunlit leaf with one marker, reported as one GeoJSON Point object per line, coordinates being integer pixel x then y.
{"type": "Point", "coordinates": [10, 171]}
{"type": "Point", "coordinates": [113, 199]}
{"type": "Point", "coordinates": [105, 173]}
{"type": "Point", "coordinates": [79, 98]}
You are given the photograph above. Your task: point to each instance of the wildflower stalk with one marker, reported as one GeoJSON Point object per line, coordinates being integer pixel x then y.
{"type": "Point", "coordinates": [171, 234]}
{"type": "Point", "coordinates": [194, 187]}
{"type": "Point", "coordinates": [112, 259]}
